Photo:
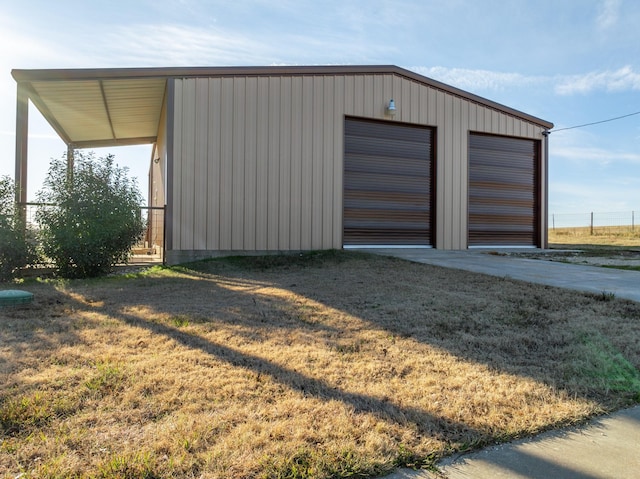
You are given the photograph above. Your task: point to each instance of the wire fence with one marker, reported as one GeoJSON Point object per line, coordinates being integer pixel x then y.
{"type": "Point", "coordinates": [596, 223]}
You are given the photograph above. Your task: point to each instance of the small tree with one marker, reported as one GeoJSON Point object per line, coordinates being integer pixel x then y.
{"type": "Point", "coordinates": [15, 250]}
{"type": "Point", "coordinates": [95, 218]}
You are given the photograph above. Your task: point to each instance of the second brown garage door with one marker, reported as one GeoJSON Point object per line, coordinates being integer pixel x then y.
{"type": "Point", "coordinates": [503, 191]}
{"type": "Point", "coordinates": [387, 184]}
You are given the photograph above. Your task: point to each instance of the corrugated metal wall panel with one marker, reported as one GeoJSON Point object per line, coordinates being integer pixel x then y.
{"type": "Point", "coordinates": [378, 92]}
{"type": "Point", "coordinates": [226, 165]}
{"type": "Point", "coordinates": [415, 102]}
{"type": "Point", "coordinates": [307, 163]}
{"type": "Point", "coordinates": [296, 164]}
{"type": "Point", "coordinates": [358, 95]}
{"type": "Point", "coordinates": [201, 164]}
{"type": "Point", "coordinates": [250, 164]}
{"type": "Point", "coordinates": [367, 96]}
{"type": "Point", "coordinates": [339, 106]}
{"type": "Point", "coordinates": [213, 160]}
{"type": "Point", "coordinates": [264, 160]}
{"type": "Point", "coordinates": [238, 164]}
{"type": "Point", "coordinates": [503, 191]}
{"type": "Point", "coordinates": [317, 163]}
{"type": "Point", "coordinates": [328, 164]}
{"type": "Point", "coordinates": [279, 186]}
{"type": "Point", "coordinates": [187, 174]}
{"type": "Point", "coordinates": [284, 184]}
{"type": "Point", "coordinates": [456, 201]}
{"type": "Point", "coordinates": [271, 169]}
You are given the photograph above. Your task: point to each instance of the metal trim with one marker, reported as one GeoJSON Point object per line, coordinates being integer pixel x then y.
{"type": "Point", "coordinates": [106, 108]}
{"type": "Point", "coordinates": [115, 142]}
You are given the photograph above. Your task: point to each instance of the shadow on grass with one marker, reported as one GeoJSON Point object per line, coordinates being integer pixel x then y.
{"type": "Point", "coordinates": [522, 329]}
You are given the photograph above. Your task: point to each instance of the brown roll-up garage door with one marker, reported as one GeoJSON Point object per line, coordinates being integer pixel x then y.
{"type": "Point", "coordinates": [503, 191]}
{"type": "Point", "coordinates": [387, 184]}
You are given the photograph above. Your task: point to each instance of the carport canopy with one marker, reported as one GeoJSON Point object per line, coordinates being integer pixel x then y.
{"type": "Point", "coordinates": [89, 108]}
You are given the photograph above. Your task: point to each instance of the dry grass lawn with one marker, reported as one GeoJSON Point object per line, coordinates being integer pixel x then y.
{"type": "Point", "coordinates": [605, 235]}
{"type": "Point", "coordinates": [315, 366]}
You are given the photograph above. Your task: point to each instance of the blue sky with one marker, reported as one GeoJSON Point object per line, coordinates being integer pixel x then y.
{"type": "Point", "coordinates": [567, 61]}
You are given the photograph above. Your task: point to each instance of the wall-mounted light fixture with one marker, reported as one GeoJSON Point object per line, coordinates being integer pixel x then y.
{"type": "Point", "coordinates": [391, 108]}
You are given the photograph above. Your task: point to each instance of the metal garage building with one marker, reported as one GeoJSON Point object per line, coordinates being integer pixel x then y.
{"type": "Point", "coordinates": [301, 158]}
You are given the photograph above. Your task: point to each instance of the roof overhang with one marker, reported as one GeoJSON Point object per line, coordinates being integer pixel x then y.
{"type": "Point", "coordinates": [122, 106]}
{"type": "Point", "coordinates": [95, 112]}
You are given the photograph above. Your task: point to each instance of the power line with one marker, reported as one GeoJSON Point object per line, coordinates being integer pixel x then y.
{"type": "Point", "coordinates": [596, 122]}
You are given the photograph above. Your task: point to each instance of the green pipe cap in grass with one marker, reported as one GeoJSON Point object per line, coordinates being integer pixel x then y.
{"type": "Point", "coordinates": [11, 297]}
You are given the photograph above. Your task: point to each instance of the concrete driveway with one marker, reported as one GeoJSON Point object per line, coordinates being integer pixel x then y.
{"type": "Point", "coordinates": [593, 279]}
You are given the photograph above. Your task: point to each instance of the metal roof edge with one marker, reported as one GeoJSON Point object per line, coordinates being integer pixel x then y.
{"type": "Point", "coordinates": [22, 75]}
{"type": "Point", "coordinates": [165, 72]}
{"type": "Point", "coordinates": [473, 97]}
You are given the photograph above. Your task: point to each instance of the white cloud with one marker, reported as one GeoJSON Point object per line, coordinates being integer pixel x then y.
{"type": "Point", "coordinates": [598, 155]}
{"type": "Point", "coordinates": [468, 79]}
{"type": "Point", "coordinates": [608, 14]}
{"type": "Point", "coordinates": [623, 79]}
{"type": "Point", "coordinates": [39, 136]}
{"type": "Point", "coordinates": [574, 198]}
{"type": "Point", "coordinates": [580, 198]}
{"type": "Point", "coordinates": [27, 46]}
{"type": "Point", "coordinates": [178, 45]}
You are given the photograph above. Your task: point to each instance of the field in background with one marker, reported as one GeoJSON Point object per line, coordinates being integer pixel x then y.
{"type": "Point", "coordinates": [598, 235]}
{"type": "Point", "coordinates": [611, 229]}
{"type": "Point", "coordinates": [333, 364]}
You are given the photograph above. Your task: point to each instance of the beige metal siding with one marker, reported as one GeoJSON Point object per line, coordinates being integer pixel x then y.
{"type": "Point", "coordinates": [188, 173]}
{"type": "Point", "coordinates": [201, 144]}
{"type": "Point", "coordinates": [307, 163]}
{"type": "Point", "coordinates": [258, 160]}
{"type": "Point", "coordinates": [251, 163]}
{"type": "Point", "coordinates": [213, 162]}
{"type": "Point", "coordinates": [296, 165]}
{"type": "Point", "coordinates": [280, 237]}
{"type": "Point", "coordinates": [269, 123]}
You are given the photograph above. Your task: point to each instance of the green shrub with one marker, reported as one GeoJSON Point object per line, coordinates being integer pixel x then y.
{"type": "Point", "coordinates": [95, 219]}
{"type": "Point", "coordinates": [15, 251]}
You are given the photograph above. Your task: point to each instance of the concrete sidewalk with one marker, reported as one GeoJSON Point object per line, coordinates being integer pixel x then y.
{"type": "Point", "coordinates": [606, 448]}
{"type": "Point", "coordinates": [593, 279]}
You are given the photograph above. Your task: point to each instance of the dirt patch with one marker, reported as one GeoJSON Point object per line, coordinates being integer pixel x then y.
{"type": "Point", "coordinates": [325, 365]}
